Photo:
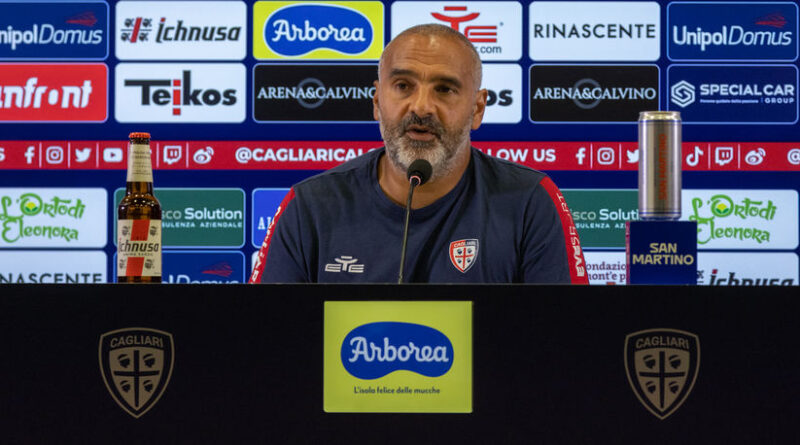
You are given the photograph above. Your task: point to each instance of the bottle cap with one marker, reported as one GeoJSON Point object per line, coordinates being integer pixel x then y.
{"type": "Point", "coordinates": [139, 135]}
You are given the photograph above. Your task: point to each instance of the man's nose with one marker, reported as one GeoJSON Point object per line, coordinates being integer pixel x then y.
{"type": "Point", "coordinates": [422, 103]}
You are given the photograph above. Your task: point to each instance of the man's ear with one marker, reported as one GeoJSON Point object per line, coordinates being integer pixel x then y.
{"type": "Point", "coordinates": [375, 113]}
{"type": "Point", "coordinates": [479, 108]}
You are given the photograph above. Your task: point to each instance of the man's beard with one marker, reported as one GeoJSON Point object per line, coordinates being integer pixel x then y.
{"type": "Point", "coordinates": [440, 151]}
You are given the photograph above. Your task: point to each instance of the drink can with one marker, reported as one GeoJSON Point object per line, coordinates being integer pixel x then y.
{"type": "Point", "coordinates": [659, 165]}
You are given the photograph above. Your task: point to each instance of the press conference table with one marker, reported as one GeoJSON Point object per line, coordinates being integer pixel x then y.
{"type": "Point", "coordinates": [548, 365]}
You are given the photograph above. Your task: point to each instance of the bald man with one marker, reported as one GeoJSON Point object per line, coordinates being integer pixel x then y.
{"type": "Point", "coordinates": [477, 220]}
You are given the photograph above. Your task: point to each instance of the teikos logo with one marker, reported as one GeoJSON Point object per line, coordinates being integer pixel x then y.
{"type": "Point", "coordinates": [764, 94]}
{"type": "Point", "coordinates": [181, 30]}
{"type": "Point", "coordinates": [727, 31]}
{"type": "Point", "coordinates": [494, 28]}
{"type": "Point", "coordinates": [49, 92]}
{"type": "Point", "coordinates": [592, 93]}
{"type": "Point", "coordinates": [504, 84]}
{"type": "Point", "coordinates": [662, 367]}
{"type": "Point", "coordinates": [180, 92]}
{"type": "Point", "coordinates": [374, 350]}
{"type": "Point", "coordinates": [136, 364]}
{"type": "Point", "coordinates": [302, 93]}
{"type": "Point", "coordinates": [323, 31]}
{"type": "Point", "coordinates": [53, 30]}
{"type": "Point", "coordinates": [595, 31]}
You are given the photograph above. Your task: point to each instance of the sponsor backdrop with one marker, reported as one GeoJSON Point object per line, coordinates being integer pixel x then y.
{"type": "Point", "coordinates": [245, 98]}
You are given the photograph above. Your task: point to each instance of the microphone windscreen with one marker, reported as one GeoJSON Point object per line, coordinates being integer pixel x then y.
{"type": "Point", "coordinates": [421, 169]}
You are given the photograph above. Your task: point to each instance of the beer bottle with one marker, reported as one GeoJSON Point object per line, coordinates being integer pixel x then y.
{"type": "Point", "coordinates": [139, 219]}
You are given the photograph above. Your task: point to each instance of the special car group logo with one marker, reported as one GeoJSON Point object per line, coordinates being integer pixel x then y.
{"type": "Point", "coordinates": [662, 367]}
{"type": "Point", "coordinates": [136, 364]}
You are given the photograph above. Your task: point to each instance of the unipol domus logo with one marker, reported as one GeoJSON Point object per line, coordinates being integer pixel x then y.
{"type": "Point", "coordinates": [320, 30]}
{"type": "Point", "coordinates": [136, 364]}
{"type": "Point", "coordinates": [662, 367]}
{"type": "Point", "coordinates": [374, 350]}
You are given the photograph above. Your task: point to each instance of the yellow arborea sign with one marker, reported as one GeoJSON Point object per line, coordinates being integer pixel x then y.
{"type": "Point", "coordinates": [323, 30]}
{"type": "Point", "coordinates": [398, 356]}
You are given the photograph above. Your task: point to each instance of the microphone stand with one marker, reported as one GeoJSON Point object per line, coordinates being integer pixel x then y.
{"type": "Point", "coordinates": [414, 182]}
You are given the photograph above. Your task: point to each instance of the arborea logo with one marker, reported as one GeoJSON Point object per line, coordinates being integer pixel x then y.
{"type": "Point", "coordinates": [329, 30]}
{"type": "Point", "coordinates": [300, 29]}
{"type": "Point", "coordinates": [53, 92]}
{"type": "Point", "coordinates": [376, 349]}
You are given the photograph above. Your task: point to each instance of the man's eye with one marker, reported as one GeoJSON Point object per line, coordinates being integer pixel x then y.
{"type": "Point", "coordinates": [444, 89]}
{"type": "Point", "coordinates": [402, 86]}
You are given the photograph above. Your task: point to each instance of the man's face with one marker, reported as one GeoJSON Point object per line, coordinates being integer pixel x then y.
{"type": "Point", "coordinates": [426, 101]}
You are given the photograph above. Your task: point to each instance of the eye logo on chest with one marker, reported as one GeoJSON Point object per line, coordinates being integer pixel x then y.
{"type": "Point", "coordinates": [463, 254]}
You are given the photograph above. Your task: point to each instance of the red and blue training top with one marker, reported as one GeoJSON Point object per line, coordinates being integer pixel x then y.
{"type": "Point", "coordinates": [502, 223]}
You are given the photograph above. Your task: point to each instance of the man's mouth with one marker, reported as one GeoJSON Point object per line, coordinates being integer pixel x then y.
{"type": "Point", "coordinates": [420, 132]}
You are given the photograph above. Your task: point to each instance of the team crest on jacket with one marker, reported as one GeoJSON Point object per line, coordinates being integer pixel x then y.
{"type": "Point", "coordinates": [463, 253]}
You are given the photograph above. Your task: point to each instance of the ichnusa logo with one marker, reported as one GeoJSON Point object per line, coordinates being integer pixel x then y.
{"type": "Point", "coordinates": [318, 31]}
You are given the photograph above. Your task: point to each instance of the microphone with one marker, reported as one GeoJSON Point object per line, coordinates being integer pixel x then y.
{"type": "Point", "coordinates": [418, 173]}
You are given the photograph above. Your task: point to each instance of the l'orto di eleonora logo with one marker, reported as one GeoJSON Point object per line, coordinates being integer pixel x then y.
{"type": "Point", "coordinates": [374, 350]}
{"type": "Point", "coordinates": [136, 364]}
{"type": "Point", "coordinates": [662, 367]}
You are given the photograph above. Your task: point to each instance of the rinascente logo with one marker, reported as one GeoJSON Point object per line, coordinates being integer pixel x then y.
{"type": "Point", "coordinates": [49, 92]}
{"type": "Point", "coordinates": [180, 92]}
{"type": "Point", "coordinates": [52, 266]}
{"type": "Point", "coordinates": [181, 30]}
{"type": "Point", "coordinates": [302, 93]}
{"type": "Point", "coordinates": [494, 28]}
{"type": "Point", "coordinates": [592, 93]}
{"type": "Point", "coordinates": [732, 31]}
{"type": "Point", "coordinates": [321, 30]}
{"type": "Point", "coordinates": [53, 30]}
{"type": "Point", "coordinates": [595, 31]}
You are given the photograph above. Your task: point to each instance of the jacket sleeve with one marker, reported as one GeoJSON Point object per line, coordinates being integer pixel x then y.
{"type": "Point", "coordinates": [280, 258]}
{"type": "Point", "coordinates": [552, 250]}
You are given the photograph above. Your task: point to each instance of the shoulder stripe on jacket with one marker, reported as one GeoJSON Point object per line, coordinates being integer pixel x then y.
{"type": "Point", "coordinates": [577, 265]}
{"type": "Point", "coordinates": [258, 268]}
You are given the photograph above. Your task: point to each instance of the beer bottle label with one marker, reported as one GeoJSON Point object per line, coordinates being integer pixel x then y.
{"type": "Point", "coordinates": [139, 248]}
{"type": "Point", "coordinates": [140, 168]}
